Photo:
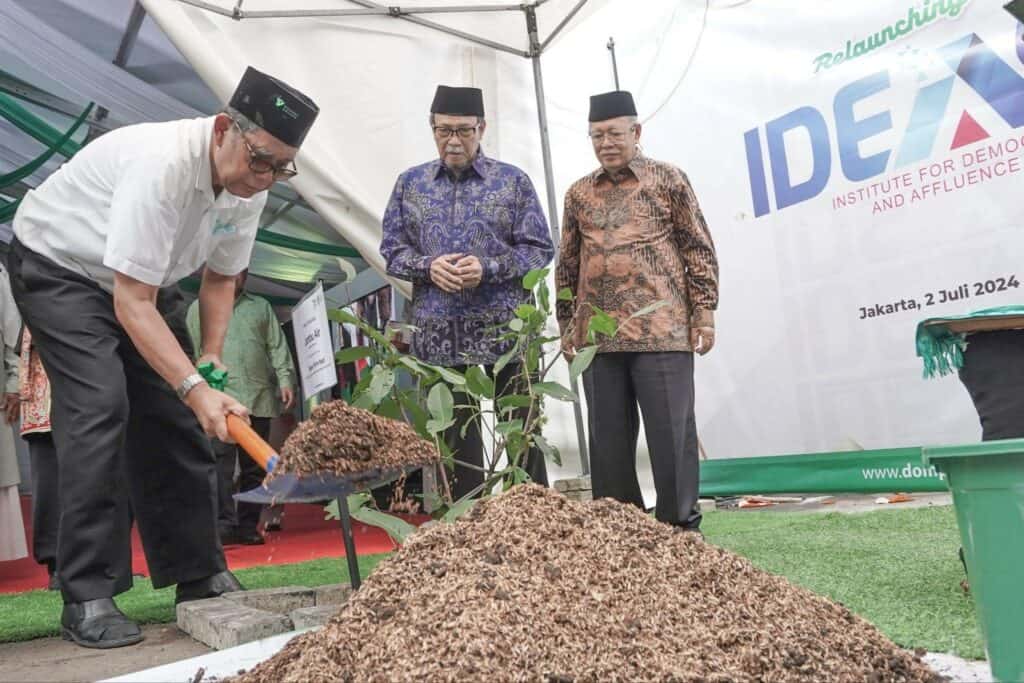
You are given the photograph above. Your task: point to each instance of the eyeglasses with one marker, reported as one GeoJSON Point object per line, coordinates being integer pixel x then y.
{"type": "Point", "coordinates": [259, 163]}
{"type": "Point", "coordinates": [445, 132]}
{"type": "Point", "coordinates": [613, 135]}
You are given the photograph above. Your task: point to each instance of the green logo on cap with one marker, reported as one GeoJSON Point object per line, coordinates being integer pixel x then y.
{"type": "Point", "coordinates": [285, 109]}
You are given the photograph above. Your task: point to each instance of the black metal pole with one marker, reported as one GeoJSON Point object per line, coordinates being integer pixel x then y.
{"type": "Point", "coordinates": [350, 545]}
{"type": "Point", "coordinates": [549, 179]}
{"type": "Point", "coordinates": [615, 66]}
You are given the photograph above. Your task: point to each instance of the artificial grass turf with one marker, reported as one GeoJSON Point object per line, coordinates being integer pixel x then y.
{"type": "Point", "coordinates": [896, 568]}
{"type": "Point", "coordinates": [36, 614]}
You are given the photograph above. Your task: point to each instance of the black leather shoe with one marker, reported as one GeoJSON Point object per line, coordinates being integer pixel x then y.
{"type": "Point", "coordinates": [229, 538]}
{"type": "Point", "coordinates": [210, 587]}
{"type": "Point", "coordinates": [98, 624]}
{"type": "Point", "coordinates": [252, 537]}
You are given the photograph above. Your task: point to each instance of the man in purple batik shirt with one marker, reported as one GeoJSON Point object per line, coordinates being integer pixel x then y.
{"type": "Point", "coordinates": [465, 229]}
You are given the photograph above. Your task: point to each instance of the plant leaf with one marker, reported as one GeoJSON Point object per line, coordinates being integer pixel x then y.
{"type": "Point", "coordinates": [342, 316]}
{"type": "Point", "coordinates": [565, 294]}
{"type": "Point", "coordinates": [398, 529]}
{"type": "Point", "coordinates": [381, 384]}
{"type": "Point", "coordinates": [440, 403]}
{"type": "Point", "coordinates": [364, 401]}
{"type": "Point", "coordinates": [478, 383]}
{"type": "Point", "coordinates": [435, 426]}
{"type": "Point", "coordinates": [458, 508]}
{"type": "Point", "coordinates": [515, 324]}
{"type": "Point", "coordinates": [416, 413]}
{"type": "Point", "coordinates": [524, 311]}
{"type": "Point", "coordinates": [547, 449]}
{"type": "Point", "coordinates": [554, 390]}
{"type": "Point", "coordinates": [505, 359]}
{"type": "Point", "coordinates": [646, 310]}
{"type": "Point", "coordinates": [414, 365]}
{"type": "Point", "coordinates": [352, 354]}
{"type": "Point", "coordinates": [514, 401]}
{"type": "Point", "coordinates": [581, 361]}
{"type": "Point", "coordinates": [390, 408]}
{"type": "Point", "coordinates": [507, 427]}
{"type": "Point", "coordinates": [531, 279]}
{"type": "Point", "coordinates": [450, 376]}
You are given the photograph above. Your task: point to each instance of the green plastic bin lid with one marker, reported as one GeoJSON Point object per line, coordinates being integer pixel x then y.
{"type": "Point", "coordinates": [973, 450]}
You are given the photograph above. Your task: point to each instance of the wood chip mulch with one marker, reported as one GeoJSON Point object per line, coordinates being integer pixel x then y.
{"type": "Point", "coordinates": [530, 586]}
{"type": "Point", "coordinates": [344, 440]}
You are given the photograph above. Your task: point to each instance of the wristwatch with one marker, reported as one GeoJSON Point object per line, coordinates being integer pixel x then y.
{"type": "Point", "coordinates": [188, 384]}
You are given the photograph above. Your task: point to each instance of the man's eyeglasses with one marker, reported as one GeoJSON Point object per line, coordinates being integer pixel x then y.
{"type": "Point", "coordinates": [260, 163]}
{"type": "Point", "coordinates": [445, 132]}
{"type": "Point", "coordinates": [613, 135]}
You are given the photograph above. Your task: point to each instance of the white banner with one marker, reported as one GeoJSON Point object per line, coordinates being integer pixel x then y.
{"type": "Point", "coordinates": [860, 166]}
{"type": "Point", "coordinates": [313, 343]}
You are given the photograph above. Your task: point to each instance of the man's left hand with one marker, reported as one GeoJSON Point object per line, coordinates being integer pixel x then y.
{"type": "Point", "coordinates": [702, 339]}
{"type": "Point", "coordinates": [470, 270]}
{"type": "Point", "coordinates": [287, 397]}
{"type": "Point", "coordinates": [12, 408]}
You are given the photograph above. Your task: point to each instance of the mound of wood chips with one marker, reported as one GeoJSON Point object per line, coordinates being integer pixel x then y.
{"type": "Point", "coordinates": [344, 440]}
{"type": "Point", "coordinates": [530, 586]}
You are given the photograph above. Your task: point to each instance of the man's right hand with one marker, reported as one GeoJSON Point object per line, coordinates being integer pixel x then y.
{"type": "Point", "coordinates": [211, 408]}
{"type": "Point", "coordinates": [568, 347]}
{"type": "Point", "coordinates": [444, 274]}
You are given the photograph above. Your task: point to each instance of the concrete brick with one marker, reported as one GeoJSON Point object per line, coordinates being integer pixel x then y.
{"type": "Point", "coordinates": [221, 623]}
{"type": "Point", "coordinates": [579, 496]}
{"type": "Point", "coordinates": [280, 600]}
{"type": "Point", "coordinates": [706, 504]}
{"type": "Point", "coordinates": [308, 617]}
{"type": "Point", "coordinates": [577, 484]}
{"type": "Point", "coordinates": [334, 594]}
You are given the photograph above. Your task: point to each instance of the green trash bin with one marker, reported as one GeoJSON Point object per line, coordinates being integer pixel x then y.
{"type": "Point", "coordinates": [987, 481]}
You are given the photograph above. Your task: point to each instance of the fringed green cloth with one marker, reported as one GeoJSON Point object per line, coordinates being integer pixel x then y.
{"type": "Point", "coordinates": [941, 349]}
{"type": "Point", "coordinates": [215, 378]}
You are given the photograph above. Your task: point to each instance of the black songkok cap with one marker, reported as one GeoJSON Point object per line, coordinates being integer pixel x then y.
{"type": "Point", "coordinates": [1016, 8]}
{"type": "Point", "coordinates": [274, 106]}
{"type": "Point", "coordinates": [611, 105]}
{"type": "Point", "coordinates": [458, 101]}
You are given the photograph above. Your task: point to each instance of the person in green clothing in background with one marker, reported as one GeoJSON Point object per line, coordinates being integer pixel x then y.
{"type": "Point", "coordinates": [261, 376]}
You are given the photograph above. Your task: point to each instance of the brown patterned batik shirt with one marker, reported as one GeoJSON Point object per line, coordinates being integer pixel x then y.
{"type": "Point", "coordinates": [631, 241]}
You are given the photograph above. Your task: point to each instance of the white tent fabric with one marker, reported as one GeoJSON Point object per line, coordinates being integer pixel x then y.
{"type": "Point", "coordinates": [373, 78]}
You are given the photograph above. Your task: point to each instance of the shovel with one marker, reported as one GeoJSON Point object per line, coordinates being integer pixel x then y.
{"type": "Point", "coordinates": [315, 488]}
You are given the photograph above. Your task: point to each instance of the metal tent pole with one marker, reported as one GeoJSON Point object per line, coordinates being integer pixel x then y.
{"type": "Point", "coordinates": [549, 180]}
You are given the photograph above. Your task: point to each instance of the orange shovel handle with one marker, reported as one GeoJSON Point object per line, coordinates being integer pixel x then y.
{"type": "Point", "coordinates": [251, 442]}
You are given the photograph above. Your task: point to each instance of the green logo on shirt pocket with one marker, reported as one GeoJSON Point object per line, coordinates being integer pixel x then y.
{"type": "Point", "coordinates": [222, 228]}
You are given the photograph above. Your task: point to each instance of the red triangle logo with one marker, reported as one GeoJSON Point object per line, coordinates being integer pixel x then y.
{"type": "Point", "coordinates": [968, 131]}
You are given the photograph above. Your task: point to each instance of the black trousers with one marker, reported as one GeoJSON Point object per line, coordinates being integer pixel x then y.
{"type": "Point", "coordinates": [993, 373]}
{"type": "Point", "coordinates": [45, 498]}
{"type": "Point", "coordinates": [232, 515]}
{"type": "Point", "coordinates": [661, 384]}
{"type": "Point", "coordinates": [111, 413]}
{"type": "Point", "coordinates": [471, 448]}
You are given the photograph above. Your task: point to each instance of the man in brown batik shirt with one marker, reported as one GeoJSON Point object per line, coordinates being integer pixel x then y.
{"type": "Point", "coordinates": [634, 236]}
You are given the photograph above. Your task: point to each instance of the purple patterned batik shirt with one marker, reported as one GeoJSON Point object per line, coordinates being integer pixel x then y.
{"type": "Point", "coordinates": [492, 212]}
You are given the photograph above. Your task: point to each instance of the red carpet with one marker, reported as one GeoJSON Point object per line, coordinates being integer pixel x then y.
{"type": "Point", "coordinates": [306, 536]}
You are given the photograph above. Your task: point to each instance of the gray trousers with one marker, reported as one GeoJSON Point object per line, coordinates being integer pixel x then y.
{"type": "Point", "coordinates": [661, 386]}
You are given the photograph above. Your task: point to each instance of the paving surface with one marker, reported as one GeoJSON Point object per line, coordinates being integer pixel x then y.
{"type": "Point", "coordinates": [60, 661]}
